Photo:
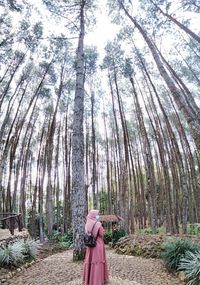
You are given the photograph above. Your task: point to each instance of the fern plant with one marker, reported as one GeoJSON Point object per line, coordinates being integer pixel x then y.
{"type": "Point", "coordinates": [175, 250]}
{"type": "Point", "coordinates": [190, 264]}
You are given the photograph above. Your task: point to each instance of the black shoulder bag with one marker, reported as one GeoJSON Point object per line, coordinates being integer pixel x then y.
{"type": "Point", "coordinates": [89, 239]}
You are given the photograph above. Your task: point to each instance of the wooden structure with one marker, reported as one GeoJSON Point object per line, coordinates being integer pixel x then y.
{"type": "Point", "coordinates": [109, 221]}
{"type": "Point", "coordinates": [11, 221]}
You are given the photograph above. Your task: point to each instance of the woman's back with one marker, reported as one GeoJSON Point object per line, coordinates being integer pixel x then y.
{"type": "Point", "coordinates": [95, 266]}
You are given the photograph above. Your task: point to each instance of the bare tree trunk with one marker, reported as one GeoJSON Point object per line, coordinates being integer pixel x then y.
{"type": "Point", "coordinates": [50, 149]}
{"type": "Point", "coordinates": [10, 80]}
{"type": "Point", "coordinates": [23, 193]}
{"type": "Point", "coordinates": [66, 191]}
{"type": "Point", "coordinates": [56, 180]}
{"type": "Point", "coordinates": [93, 152]}
{"type": "Point", "coordinates": [191, 117]}
{"type": "Point", "coordinates": [148, 159]}
{"type": "Point", "coordinates": [107, 168]}
{"type": "Point", "coordinates": [124, 162]}
{"type": "Point", "coordinates": [78, 185]}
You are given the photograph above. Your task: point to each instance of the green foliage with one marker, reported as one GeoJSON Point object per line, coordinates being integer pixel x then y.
{"type": "Point", "coordinates": [91, 56]}
{"type": "Point", "coordinates": [65, 240]}
{"type": "Point", "coordinates": [29, 249]}
{"type": "Point", "coordinates": [107, 237]}
{"type": "Point", "coordinates": [194, 229]}
{"type": "Point", "coordinates": [17, 253]}
{"type": "Point", "coordinates": [54, 237]}
{"type": "Point", "coordinates": [175, 250]}
{"type": "Point", "coordinates": [147, 231]}
{"type": "Point", "coordinates": [11, 255]}
{"type": "Point", "coordinates": [117, 235]}
{"type": "Point", "coordinates": [113, 237]}
{"type": "Point", "coordinates": [190, 264]}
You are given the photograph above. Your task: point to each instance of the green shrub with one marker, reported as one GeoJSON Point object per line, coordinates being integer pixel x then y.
{"type": "Point", "coordinates": [175, 250]}
{"type": "Point", "coordinates": [107, 237]}
{"type": "Point", "coordinates": [29, 249]}
{"type": "Point", "coordinates": [148, 231]}
{"type": "Point", "coordinates": [67, 237]}
{"type": "Point", "coordinates": [54, 237]}
{"type": "Point", "coordinates": [11, 255]}
{"type": "Point", "coordinates": [117, 235]}
{"type": "Point", "coordinates": [190, 264]}
{"type": "Point", "coordinates": [66, 240]}
{"type": "Point", "coordinates": [194, 229]}
{"type": "Point", "coordinates": [66, 245]}
{"type": "Point", "coordinates": [17, 253]}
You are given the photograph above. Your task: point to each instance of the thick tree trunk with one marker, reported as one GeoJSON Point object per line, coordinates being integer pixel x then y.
{"type": "Point", "coordinates": [78, 184]}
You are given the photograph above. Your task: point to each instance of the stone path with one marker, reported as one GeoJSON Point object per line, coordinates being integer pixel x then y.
{"type": "Point", "coordinates": [59, 269]}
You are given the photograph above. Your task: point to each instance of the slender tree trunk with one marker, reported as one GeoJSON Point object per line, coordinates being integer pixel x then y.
{"type": "Point", "coordinates": [192, 118]}
{"type": "Point", "coordinates": [50, 149]}
{"type": "Point", "coordinates": [180, 25]}
{"type": "Point", "coordinates": [107, 168]}
{"type": "Point", "coordinates": [93, 152]}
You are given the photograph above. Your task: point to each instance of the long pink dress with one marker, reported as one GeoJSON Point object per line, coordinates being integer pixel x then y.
{"type": "Point", "coordinates": [95, 270]}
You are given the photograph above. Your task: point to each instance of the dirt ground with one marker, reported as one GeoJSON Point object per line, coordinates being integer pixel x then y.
{"type": "Point", "coordinates": [59, 269]}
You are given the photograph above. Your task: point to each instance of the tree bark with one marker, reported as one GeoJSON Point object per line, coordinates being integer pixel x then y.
{"type": "Point", "coordinates": [78, 185]}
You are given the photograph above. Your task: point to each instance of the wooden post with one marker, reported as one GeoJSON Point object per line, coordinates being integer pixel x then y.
{"type": "Point", "coordinates": [12, 225]}
{"type": "Point", "coordinates": [20, 224]}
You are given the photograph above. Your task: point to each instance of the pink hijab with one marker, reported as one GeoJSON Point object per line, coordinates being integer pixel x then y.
{"type": "Point", "coordinates": [90, 221]}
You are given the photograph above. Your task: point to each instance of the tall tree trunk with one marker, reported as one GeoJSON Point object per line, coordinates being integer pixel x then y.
{"type": "Point", "coordinates": [107, 168]}
{"type": "Point", "coordinates": [50, 149]}
{"type": "Point", "coordinates": [78, 185]}
{"type": "Point", "coordinates": [124, 162]}
{"type": "Point", "coordinates": [180, 25]}
{"type": "Point", "coordinates": [191, 117]}
{"type": "Point", "coordinates": [148, 160]}
{"type": "Point", "coordinates": [93, 152]}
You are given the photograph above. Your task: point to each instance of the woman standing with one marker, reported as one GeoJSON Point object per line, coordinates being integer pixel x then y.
{"type": "Point", "coordinates": [95, 270]}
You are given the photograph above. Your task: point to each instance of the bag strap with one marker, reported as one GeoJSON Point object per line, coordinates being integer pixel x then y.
{"type": "Point", "coordinates": [93, 226]}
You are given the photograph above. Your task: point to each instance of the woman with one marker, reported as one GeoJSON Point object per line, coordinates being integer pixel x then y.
{"type": "Point", "coordinates": [95, 270]}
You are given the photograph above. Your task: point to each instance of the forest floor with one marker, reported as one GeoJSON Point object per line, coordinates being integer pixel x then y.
{"type": "Point", "coordinates": [59, 269]}
{"type": "Point", "coordinates": [5, 234]}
